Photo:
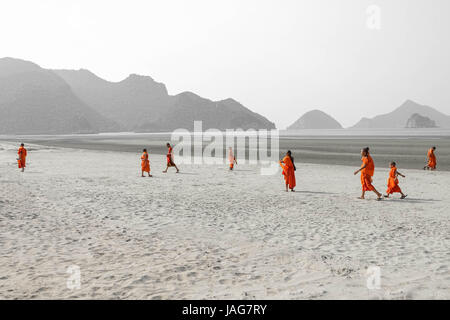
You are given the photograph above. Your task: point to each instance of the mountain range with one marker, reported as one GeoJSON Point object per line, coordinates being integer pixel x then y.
{"type": "Point", "coordinates": [34, 100]}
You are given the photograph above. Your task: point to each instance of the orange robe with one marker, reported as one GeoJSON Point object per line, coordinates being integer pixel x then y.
{"type": "Point", "coordinates": [288, 171]}
{"type": "Point", "coordinates": [431, 159]}
{"type": "Point", "coordinates": [22, 157]}
{"type": "Point", "coordinates": [367, 173]}
{"type": "Point", "coordinates": [393, 182]}
{"type": "Point", "coordinates": [169, 156]}
{"type": "Point", "coordinates": [231, 159]}
{"type": "Point", "coordinates": [370, 169]}
{"type": "Point", "coordinates": [145, 163]}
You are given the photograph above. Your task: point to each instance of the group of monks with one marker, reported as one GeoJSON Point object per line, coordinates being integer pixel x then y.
{"type": "Point", "coordinates": [145, 162]}
{"type": "Point", "coordinates": [367, 169]}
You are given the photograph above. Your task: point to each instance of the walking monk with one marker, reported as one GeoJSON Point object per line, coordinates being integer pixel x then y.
{"type": "Point", "coordinates": [170, 162]}
{"type": "Point", "coordinates": [145, 163]}
{"type": "Point", "coordinates": [393, 182]}
{"type": "Point", "coordinates": [21, 160]}
{"type": "Point", "coordinates": [288, 170]}
{"type": "Point", "coordinates": [367, 171]}
{"type": "Point", "coordinates": [231, 158]}
{"type": "Point", "coordinates": [431, 160]}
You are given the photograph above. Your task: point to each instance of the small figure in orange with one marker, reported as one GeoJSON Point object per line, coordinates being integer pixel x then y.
{"type": "Point", "coordinates": [289, 171]}
{"type": "Point", "coordinates": [231, 158]}
{"type": "Point", "coordinates": [170, 162]}
{"type": "Point", "coordinates": [22, 157]}
{"type": "Point", "coordinates": [145, 163]}
{"type": "Point", "coordinates": [431, 160]}
{"type": "Point", "coordinates": [367, 171]}
{"type": "Point", "coordinates": [393, 182]}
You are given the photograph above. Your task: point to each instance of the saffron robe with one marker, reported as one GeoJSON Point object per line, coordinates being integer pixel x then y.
{"type": "Point", "coordinates": [367, 173]}
{"type": "Point", "coordinates": [431, 159]}
{"type": "Point", "coordinates": [231, 158]}
{"type": "Point", "coordinates": [393, 182]}
{"type": "Point", "coordinates": [170, 162]}
{"type": "Point", "coordinates": [288, 171]}
{"type": "Point", "coordinates": [22, 157]}
{"type": "Point", "coordinates": [145, 163]}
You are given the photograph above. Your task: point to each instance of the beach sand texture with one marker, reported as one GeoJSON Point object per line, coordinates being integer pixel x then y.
{"type": "Point", "coordinates": [208, 233]}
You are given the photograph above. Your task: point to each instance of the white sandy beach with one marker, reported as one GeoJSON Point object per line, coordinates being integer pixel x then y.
{"type": "Point", "coordinates": [211, 233]}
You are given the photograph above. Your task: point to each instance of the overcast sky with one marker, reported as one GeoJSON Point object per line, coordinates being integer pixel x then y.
{"type": "Point", "coordinates": [280, 58]}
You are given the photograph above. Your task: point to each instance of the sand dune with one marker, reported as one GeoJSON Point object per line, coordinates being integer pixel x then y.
{"type": "Point", "coordinates": [211, 233]}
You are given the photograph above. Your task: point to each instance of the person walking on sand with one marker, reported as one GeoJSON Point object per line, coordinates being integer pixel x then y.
{"type": "Point", "coordinates": [367, 171]}
{"type": "Point", "coordinates": [393, 182]}
{"type": "Point", "coordinates": [22, 156]}
{"type": "Point", "coordinates": [170, 162]}
{"type": "Point", "coordinates": [231, 158]}
{"type": "Point", "coordinates": [145, 163]}
{"type": "Point", "coordinates": [431, 160]}
{"type": "Point", "coordinates": [288, 166]}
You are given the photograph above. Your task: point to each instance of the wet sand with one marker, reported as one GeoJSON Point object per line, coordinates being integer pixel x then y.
{"type": "Point", "coordinates": [408, 150]}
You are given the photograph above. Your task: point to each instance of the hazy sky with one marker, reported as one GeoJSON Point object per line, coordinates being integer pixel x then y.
{"type": "Point", "coordinates": [280, 58]}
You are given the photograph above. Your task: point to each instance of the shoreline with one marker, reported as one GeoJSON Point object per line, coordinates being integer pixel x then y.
{"type": "Point", "coordinates": [408, 152]}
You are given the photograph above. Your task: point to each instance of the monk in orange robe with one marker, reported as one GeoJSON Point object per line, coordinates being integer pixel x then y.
{"type": "Point", "coordinates": [145, 163]}
{"type": "Point", "coordinates": [431, 160]}
{"type": "Point", "coordinates": [170, 162]}
{"type": "Point", "coordinates": [22, 156]}
{"type": "Point", "coordinates": [393, 182]}
{"type": "Point", "coordinates": [231, 158]}
{"type": "Point", "coordinates": [367, 171]}
{"type": "Point", "coordinates": [288, 171]}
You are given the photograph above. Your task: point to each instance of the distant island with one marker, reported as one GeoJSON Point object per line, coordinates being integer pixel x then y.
{"type": "Point", "coordinates": [410, 113]}
{"type": "Point", "coordinates": [315, 119]}
{"type": "Point", "coordinates": [34, 100]}
{"type": "Point", "coordinates": [418, 121]}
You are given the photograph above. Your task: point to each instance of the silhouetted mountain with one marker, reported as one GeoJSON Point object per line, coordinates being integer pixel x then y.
{"type": "Point", "coordinates": [140, 104]}
{"type": "Point", "coordinates": [315, 119]}
{"type": "Point", "coordinates": [418, 121]}
{"type": "Point", "coordinates": [399, 117]}
{"type": "Point", "coordinates": [35, 101]}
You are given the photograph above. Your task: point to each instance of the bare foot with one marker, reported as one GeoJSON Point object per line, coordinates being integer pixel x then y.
{"type": "Point", "coordinates": [362, 198]}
